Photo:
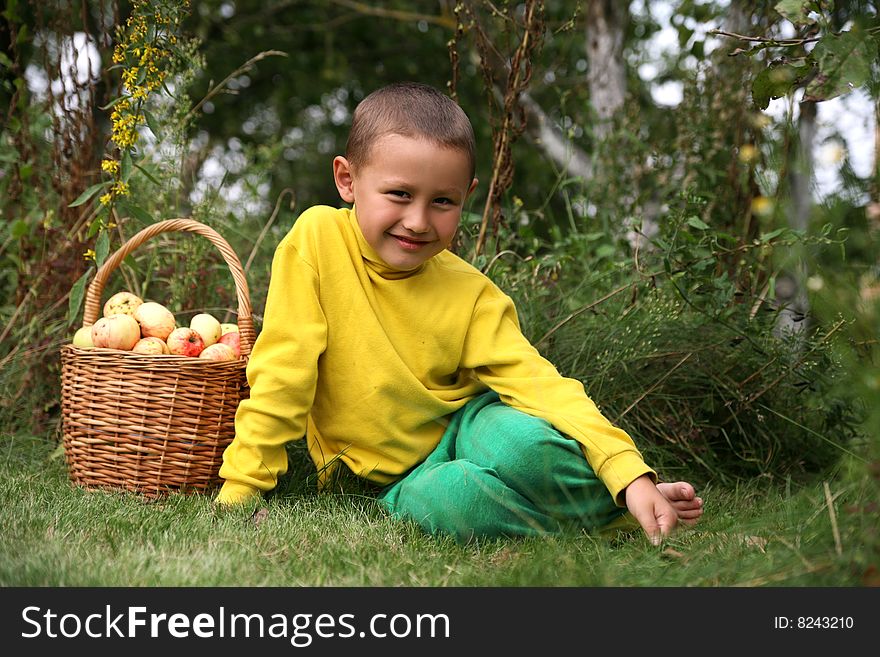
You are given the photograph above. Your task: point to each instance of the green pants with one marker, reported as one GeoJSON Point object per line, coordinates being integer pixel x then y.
{"type": "Point", "coordinates": [500, 472]}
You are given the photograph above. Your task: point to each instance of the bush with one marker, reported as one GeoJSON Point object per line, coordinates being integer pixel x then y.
{"type": "Point", "coordinates": [682, 348]}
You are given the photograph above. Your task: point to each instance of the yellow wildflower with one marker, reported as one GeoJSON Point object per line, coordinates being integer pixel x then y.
{"type": "Point", "coordinates": [763, 206]}
{"type": "Point", "coordinates": [121, 188]}
{"type": "Point", "coordinates": [748, 154]}
{"type": "Point", "coordinates": [125, 138]}
{"type": "Point", "coordinates": [129, 77]}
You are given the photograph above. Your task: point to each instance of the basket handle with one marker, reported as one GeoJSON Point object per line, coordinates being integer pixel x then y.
{"type": "Point", "coordinates": [93, 306]}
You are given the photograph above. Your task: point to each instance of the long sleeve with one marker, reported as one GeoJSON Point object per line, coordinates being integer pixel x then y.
{"type": "Point", "coordinates": [282, 374]}
{"type": "Point", "coordinates": [503, 359]}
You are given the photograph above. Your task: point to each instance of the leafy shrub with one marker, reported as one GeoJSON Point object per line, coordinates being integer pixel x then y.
{"type": "Point", "coordinates": [682, 348]}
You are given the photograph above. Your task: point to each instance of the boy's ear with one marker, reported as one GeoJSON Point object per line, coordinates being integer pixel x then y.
{"type": "Point", "coordinates": [343, 179]}
{"type": "Point", "coordinates": [472, 187]}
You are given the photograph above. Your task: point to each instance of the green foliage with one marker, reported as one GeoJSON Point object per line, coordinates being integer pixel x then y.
{"type": "Point", "coordinates": [778, 80]}
{"type": "Point", "coordinates": [680, 348]}
{"type": "Point", "coordinates": [149, 55]}
{"type": "Point", "coordinates": [822, 60]}
{"type": "Point", "coordinates": [334, 55]}
{"type": "Point", "coordinates": [148, 174]}
{"type": "Point", "coordinates": [43, 243]}
{"type": "Point", "coordinates": [843, 63]}
{"type": "Point", "coordinates": [22, 184]}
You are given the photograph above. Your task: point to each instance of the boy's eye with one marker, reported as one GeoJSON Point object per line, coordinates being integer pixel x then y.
{"type": "Point", "coordinates": [399, 193]}
{"type": "Point", "coordinates": [444, 201]}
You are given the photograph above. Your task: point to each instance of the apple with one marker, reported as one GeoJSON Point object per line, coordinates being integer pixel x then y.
{"type": "Point", "coordinates": [183, 341]}
{"type": "Point", "coordinates": [150, 345]}
{"type": "Point", "coordinates": [118, 331]}
{"type": "Point", "coordinates": [83, 338]}
{"type": "Point", "coordinates": [233, 339]}
{"type": "Point", "coordinates": [228, 328]}
{"type": "Point", "coordinates": [122, 303]}
{"type": "Point", "coordinates": [218, 351]}
{"type": "Point", "coordinates": [207, 326]}
{"type": "Point", "coordinates": [155, 320]}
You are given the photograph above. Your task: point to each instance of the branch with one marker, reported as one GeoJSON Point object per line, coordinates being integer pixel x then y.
{"type": "Point", "coordinates": [519, 71]}
{"type": "Point", "coordinates": [767, 40]}
{"type": "Point", "coordinates": [241, 69]}
{"type": "Point", "coordinates": [397, 14]}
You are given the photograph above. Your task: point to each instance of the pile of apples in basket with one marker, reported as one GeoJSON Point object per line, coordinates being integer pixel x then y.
{"type": "Point", "coordinates": [147, 327]}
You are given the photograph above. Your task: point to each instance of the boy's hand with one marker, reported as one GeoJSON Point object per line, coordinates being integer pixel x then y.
{"type": "Point", "coordinates": [652, 510]}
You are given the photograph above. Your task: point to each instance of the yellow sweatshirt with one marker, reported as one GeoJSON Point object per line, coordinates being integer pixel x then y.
{"type": "Point", "coordinates": [368, 362]}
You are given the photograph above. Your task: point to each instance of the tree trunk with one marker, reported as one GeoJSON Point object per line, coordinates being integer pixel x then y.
{"type": "Point", "coordinates": [553, 142]}
{"type": "Point", "coordinates": [606, 74]}
{"type": "Point", "coordinates": [606, 79]}
{"type": "Point", "coordinates": [791, 288]}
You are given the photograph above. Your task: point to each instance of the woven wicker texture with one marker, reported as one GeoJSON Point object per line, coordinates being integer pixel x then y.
{"type": "Point", "coordinates": [151, 424]}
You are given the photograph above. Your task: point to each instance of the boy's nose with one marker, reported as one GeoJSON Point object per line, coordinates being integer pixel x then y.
{"type": "Point", "coordinates": [416, 221]}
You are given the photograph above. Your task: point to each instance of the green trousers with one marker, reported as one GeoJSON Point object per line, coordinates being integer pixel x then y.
{"type": "Point", "coordinates": [500, 472]}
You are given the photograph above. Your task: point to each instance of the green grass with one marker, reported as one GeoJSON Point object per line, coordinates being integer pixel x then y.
{"type": "Point", "coordinates": [56, 534]}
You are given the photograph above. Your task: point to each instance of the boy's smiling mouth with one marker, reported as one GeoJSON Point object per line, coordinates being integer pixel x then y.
{"type": "Point", "coordinates": [409, 243]}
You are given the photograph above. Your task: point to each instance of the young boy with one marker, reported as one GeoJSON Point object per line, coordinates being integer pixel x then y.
{"type": "Point", "coordinates": [400, 361]}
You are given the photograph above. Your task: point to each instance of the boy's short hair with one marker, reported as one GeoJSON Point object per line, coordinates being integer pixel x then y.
{"type": "Point", "coordinates": [410, 109]}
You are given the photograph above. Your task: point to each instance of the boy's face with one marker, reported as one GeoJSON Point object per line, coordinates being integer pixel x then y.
{"type": "Point", "coordinates": [408, 197]}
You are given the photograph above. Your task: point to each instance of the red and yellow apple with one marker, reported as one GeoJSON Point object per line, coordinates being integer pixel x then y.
{"type": "Point", "coordinates": [155, 320]}
{"type": "Point", "coordinates": [119, 331]}
{"type": "Point", "coordinates": [184, 341]}
{"type": "Point", "coordinates": [207, 326]}
{"type": "Point", "coordinates": [228, 328]}
{"type": "Point", "coordinates": [150, 345]}
{"type": "Point", "coordinates": [122, 303]}
{"type": "Point", "coordinates": [233, 339]}
{"type": "Point", "coordinates": [218, 351]}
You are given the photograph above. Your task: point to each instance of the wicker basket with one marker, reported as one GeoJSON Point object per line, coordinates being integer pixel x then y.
{"type": "Point", "coordinates": [152, 424]}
